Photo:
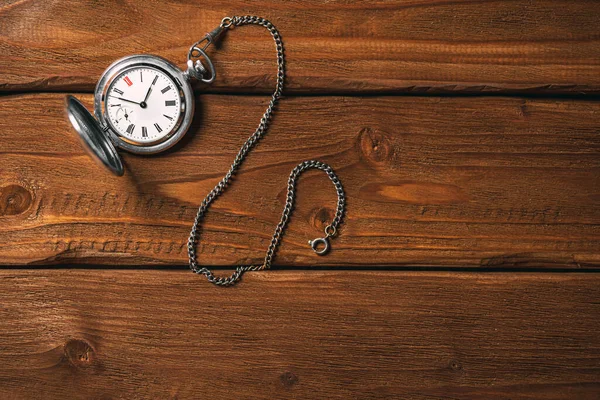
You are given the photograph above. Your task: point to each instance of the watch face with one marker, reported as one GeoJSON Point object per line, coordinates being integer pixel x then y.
{"type": "Point", "coordinates": [143, 105]}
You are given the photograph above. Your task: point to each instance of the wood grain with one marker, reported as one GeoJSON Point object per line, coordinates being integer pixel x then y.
{"type": "Point", "coordinates": [491, 182]}
{"type": "Point", "coordinates": [545, 46]}
{"type": "Point", "coordinates": [303, 335]}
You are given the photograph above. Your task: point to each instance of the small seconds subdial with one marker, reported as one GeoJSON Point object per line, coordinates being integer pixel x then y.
{"type": "Point", "coordinates": [143, 105]}
{"type": "Point", "coordinates": [125, 115]}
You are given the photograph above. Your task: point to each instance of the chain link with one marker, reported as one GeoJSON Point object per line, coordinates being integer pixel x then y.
{"type": "Point", "coordinates": [330, 230]}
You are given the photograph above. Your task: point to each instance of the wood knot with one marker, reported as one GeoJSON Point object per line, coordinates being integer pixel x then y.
{"type": "Point", "coordinates": [321, 217]}
{"type": "Point", "coordinates": [374, 145]}
{"type": "Point", "coordinates": [79, 352]}
{"type": "Point", "coordinates": [455, 365]}
{"type": "Point", "coordinates": [288, 379]}
{"type": "Point", "coordinates": [14, 200]}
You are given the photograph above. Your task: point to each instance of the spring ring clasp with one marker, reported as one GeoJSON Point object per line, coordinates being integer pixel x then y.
{"type": "Point", "coordinates": [330, 231]}
{"type": "Point", "coordinates": [314, 244]}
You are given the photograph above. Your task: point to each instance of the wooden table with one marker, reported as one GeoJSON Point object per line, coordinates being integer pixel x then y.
{"type": "Point", "coordinates": [467, 136]}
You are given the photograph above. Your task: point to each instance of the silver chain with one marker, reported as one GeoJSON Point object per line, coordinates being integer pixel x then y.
{"type": "Point", "coordinates": [320, 245]}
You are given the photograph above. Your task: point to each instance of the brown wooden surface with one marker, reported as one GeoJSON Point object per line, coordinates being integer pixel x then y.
{"type": "Point", "coordinates": [544, 46]}
{"type": "Point", "coordinates": [498, 182]}
{"type": "Point", "coordinates": [494, 183]}
{"type": "Point", "coordinates": [304, 335]}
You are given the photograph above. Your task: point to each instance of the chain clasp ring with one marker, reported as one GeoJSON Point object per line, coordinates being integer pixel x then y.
{"type": "Point", "coordinates": [314, 244]}
{"type": "Point", "coordinates": [330, 231]}
{"type": "Point", "coordinates": [226, 22]}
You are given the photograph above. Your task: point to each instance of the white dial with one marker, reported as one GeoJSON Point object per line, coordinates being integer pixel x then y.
{"type": "Point", "coordinates": [143, 105]}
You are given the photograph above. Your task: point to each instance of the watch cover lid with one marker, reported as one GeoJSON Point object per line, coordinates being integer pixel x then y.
{"type": "Point", "coordinates": [93, 136]}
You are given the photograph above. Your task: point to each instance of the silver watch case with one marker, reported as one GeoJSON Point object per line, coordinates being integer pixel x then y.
{"type": "Point", "coordinates": [97, 133]}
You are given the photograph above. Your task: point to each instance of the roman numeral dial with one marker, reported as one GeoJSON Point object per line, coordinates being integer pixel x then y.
{"type": "Point", "coordinates": [143, 105]}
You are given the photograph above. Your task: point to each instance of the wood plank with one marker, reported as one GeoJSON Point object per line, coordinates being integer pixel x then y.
{"type": "Point", "coordinates": [546, 46]}
{"type": "Point", "coordinates": [326, 335]}
{"type": "Point", "coordinates": [492, 182]}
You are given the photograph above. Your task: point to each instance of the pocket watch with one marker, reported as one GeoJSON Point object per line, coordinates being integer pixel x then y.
{"type": "Point", "coordinates": [142, 104]}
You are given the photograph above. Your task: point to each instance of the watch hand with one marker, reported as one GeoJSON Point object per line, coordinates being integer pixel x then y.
{"type": "Point", "coordinates": [130, 101]}
{"type": "Point", "coordinates": [150, 89]}
{"type": "Point", "coordinates": [147, 94]}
